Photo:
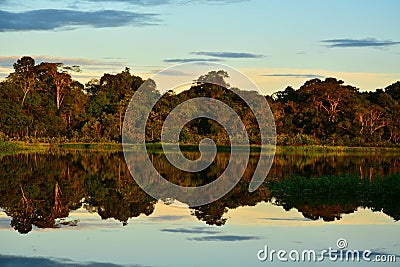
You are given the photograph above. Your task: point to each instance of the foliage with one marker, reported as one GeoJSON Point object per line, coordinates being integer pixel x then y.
{"type": "Point", "coordinates": [42, 103]}
{"type": "Point", "coordinates": [331, 113]}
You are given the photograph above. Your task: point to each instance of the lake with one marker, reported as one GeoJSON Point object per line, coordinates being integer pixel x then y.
{"type": "Point", "coordinates": [72, 207]}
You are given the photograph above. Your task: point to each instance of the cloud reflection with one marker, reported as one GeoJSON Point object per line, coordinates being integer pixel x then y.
{"type": "Point", "coordinates": [227, 238]}
{"type": "Point", "coordinates": [6, 260]}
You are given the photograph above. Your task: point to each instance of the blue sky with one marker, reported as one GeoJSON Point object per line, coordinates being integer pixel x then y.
{"type": "Point", "coordinates": [276, 43]}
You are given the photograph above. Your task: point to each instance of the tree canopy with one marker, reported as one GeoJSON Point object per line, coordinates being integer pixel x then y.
{"type": "Point", "coordinates": [41, 102]}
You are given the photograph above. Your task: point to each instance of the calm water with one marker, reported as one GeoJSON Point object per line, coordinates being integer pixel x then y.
{"type": "Point", "coordinates": [81, 206]}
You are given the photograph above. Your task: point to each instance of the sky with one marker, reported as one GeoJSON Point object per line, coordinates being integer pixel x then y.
{"type": "Point", "coordinates": [276, 43]}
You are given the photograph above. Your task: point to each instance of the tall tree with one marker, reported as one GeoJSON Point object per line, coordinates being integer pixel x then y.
{"type": "Point", "coordinates": [24, 76]}
{"type": "Point", "coordinates": [56, 76]}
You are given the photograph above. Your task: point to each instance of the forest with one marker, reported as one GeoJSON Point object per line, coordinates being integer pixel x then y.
{"type": "Point", "coordinates": [42, 103]}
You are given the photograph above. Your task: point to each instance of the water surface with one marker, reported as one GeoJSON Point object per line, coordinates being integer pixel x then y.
{"type": "Point", "coordinates": [83, 206]}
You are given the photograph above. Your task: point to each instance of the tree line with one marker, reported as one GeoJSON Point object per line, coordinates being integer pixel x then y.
{"type": "Point", "coordinates": [42, 103]}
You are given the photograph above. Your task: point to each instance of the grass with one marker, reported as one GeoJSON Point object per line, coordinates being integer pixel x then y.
{"type": "Point", "coordinates": [10, 148]}
{"type": "Point", "coordinates": [89, 146]}
{"type": "Point", "coordinates": [335, 149]}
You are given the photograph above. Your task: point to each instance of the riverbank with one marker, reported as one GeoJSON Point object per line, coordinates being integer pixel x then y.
{"type": "Point", "coordinates": [9, 148]}
{"type": "Point", "coordinates": [15, 147]}
{"type": "Point", "coordinates": [346, 149]}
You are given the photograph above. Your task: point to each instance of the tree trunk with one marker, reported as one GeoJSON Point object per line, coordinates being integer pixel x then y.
{"type": "Point", "coordinates": [58, 97]}
{"type": "Point", "coordinates": [24, 98]}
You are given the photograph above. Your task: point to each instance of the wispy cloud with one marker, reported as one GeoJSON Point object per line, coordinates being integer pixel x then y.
{"type": "Point", "coordinates": [184, 60]}
{"type": "Point", "coordinates": [368, 42]}
{"type": "Point", "coordinates": [91, 68]}
{"type": "Point", "coordinates": [134, 2]}
{"type": "Point", "coordinates": [65, 19]}
{"type": "Point", "coordinates": [227, 238]}
{"type": "Point", "coordinates": [8, 61]}
{"type": "Point", "coordinates": [216, 2]}
{"type": "Point", "coordinates": [167, 218]}
{"type": "Point", "coordinates": [169, 72]}
{"type": "Point", "coordinates": [227, 54]}
{"type": "Point", "coordinates": [294, 75]}
{"type": "Point", "coordinates": [286, 219]}
{"type": "Point", "coordinates": [215, 57]}
{"type": "Point", "coordinates": [166, 2]}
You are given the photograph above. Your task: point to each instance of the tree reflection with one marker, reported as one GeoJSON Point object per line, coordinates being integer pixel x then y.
{"type": "Point", "coordinates": [23, 216]}
{"type": "Point", "coordinates": [38, 189]}
{"type": "Point", "coordinates": [41, 189]}
{"type": "Point", "coordinates": [330, 196]}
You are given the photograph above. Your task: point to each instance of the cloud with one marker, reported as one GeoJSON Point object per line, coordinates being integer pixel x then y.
{"type": "Point", "coordinates": [166, 2]}
{"type": "Point", "coordinates": [286, 219]}
{"type": "Point", "coordinates": [294, 75]}
{"type": "Point", "coordinates": [66, 19]}
{"type": "Point", "coordinates": [173, 73]}
{"type": "Point", "coordinates": [196, 230]}
{"type": "Point", "coordinates": [91, 68]}
{"type": "Point", "coordinates": [216, 2]}
{"type": "Point", "coordinates": [8, 61]}
{"type": "Point", "coordinates": [185, 60]}
{"type": "Point", "coordinates": [216, 57]}
{"type": "Point", "coordinates": [167, 218]}
{"type": "Point", "coordinates": [134, 2]}
{"type": "Point", "coordinates": [227, 54]}
{"type": "Point", "coordinates": [228, 238]}
{"type": "Point", "coordinates": [4, 2]}
{"type": "Point", "coordinates": [368, 42]}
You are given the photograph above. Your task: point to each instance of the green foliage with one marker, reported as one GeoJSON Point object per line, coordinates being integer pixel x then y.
{"type": "Point", "coordinates": [331, 113]}
{"type": "Point", "coordinates": [3, 137]}
{"type": "Point", "coordinates": [7, 147]}
{"type": "Point", "coordinates": [42, 103]}
{"type": "Point", "coordinates": [298, 139]}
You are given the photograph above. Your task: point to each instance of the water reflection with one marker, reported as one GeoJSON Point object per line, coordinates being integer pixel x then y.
{"type": "Point", "coordinates": [40, 189]}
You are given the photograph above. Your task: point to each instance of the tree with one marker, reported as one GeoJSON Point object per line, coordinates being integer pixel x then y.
{"type": "Point", "coordinates": [109, 98]}
{"type": "Point", "coordinates": [371, 119]}
{"type": "Point", "coordinates": [44, 102]}
{"type": "Point", "coordinates": [56, 77]}
{"type": "Point", "coordinates": [24, 76]}
{"type": "Point", "coordinates": [74, 109]}
{"type": "Point", "coordinates": [394, 91]}
{"type": "Point", "coordinates": [214, 77]}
